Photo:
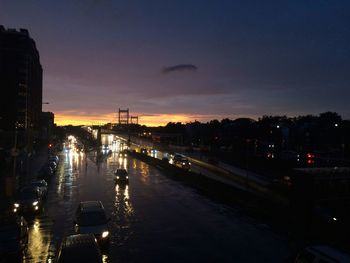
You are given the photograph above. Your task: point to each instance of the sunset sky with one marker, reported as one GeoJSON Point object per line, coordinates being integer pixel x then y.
{"type": "Point", "coordinates": [188, 60]}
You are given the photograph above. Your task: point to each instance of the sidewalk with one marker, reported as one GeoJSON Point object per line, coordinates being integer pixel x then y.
{"type": "Point", "coordinates": [34, 163]}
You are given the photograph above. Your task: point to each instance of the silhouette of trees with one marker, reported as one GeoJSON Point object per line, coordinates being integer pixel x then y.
{"type": "Point", "coordinates": [325, 132]}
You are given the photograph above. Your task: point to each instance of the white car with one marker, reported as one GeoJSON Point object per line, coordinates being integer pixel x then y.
{"type": "Point", "coordinates": [90, 218]}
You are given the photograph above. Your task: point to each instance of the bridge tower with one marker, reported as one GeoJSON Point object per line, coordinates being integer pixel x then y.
{"type": "Point", "coordinates": [134, 119]}
{"type": "Point", "coordinates": [123, 116]}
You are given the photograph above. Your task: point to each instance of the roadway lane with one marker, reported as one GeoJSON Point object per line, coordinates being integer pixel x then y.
{"type": "Point", "coordinates": [153, 218]}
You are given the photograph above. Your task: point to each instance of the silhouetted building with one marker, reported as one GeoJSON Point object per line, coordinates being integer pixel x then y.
{"type": "Point", "coordinates": [47, 125]}
{"type": "Point", "coordinates": [21, 87]}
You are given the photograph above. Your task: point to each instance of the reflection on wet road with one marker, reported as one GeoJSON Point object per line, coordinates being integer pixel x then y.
{"type": "Point", "coordinates": [152, 218]}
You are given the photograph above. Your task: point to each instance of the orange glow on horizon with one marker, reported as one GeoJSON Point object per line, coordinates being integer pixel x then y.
{"type": "Point", "coordinates": [70, 118]}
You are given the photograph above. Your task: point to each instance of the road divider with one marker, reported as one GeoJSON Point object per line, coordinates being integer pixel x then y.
{"type": "Point", "coordinates": [261, 203]}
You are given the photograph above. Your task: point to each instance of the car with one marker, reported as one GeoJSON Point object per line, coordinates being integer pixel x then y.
{"type": "Point", "coordinates": [54, 158]}
{"type": "Point", "coordinates": [105, 147]}
{"type": "Point", "coordinates": [52, 165]}
{"type": "Point", "coordinates": [321, 253]}
{"type": "Point", "coordinates": [178, 157]}
{"type": "Point", "coordinates": [181, 161]}
{"type": "Point", "coordinates": [123, 154]}
{"type": "Point", "coordinates": [45, 173]}
{"type": "Point", "coordinates": [13, 237]}
{"type": "Point", "coordinates": [79, 248]}
{"type": "Point", "coordinates": [42, 184]}
{"type": "Point", "coordinates": [29, 200]}
{"type": "Point", "coordinates": [144, 151]}
{"type": "Point", "coordinates": [121, 176]}
{"type": "Point", "coordinates": [90, 218]}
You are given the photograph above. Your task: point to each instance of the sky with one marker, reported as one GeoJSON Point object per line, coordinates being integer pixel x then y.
{"type": "Point", "coordinates": [188, 60]}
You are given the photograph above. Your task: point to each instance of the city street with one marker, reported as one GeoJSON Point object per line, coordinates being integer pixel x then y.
{"type": "Point", "coordinates": [153, 218]}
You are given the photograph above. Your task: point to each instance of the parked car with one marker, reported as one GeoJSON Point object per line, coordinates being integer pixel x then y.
{"type": "Point", "coordinates": [45, 173]}
{"type": "Point", "coordinates": [13, 237]}
{"type": "Point", "coordinates": [121, 176]}
{"type": "Point", "coordinates": [90, 218]}
{"type": "Point", "coordinates": [29, 200]}
{"type": "Point", "coordinates": [42, 184]}
{"type": "Point", "coordinates": [54, 158]}
{"type": "Point", "coordinates": [52, 165]}
{"type": "Point", "coordinates": [79, 248]}
{"type": "Point", "coordinates": [322, 253]}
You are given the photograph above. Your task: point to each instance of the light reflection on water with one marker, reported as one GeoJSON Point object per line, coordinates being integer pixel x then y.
{"type": "Point", "coordinates": [144, 170]}
{"type": "Point", "coordinates": [42, 240]}
{"type": "Point", "coordinates": [38, 243]}
{"type": "Point", "coordinates": [123, 215]}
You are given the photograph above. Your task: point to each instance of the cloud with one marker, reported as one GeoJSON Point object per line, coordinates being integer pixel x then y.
{"type": "Point", "coordinates": [179, 67]}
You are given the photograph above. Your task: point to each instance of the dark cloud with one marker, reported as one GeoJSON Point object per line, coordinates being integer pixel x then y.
{"type": "Point", "coordinates": [180, 67]}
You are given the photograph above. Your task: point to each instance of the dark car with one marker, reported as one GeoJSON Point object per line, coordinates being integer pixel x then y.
{"type": "Point", "coordinates": [144, 151]}
{"type": "Point", "coordinates": [42, 184]}
{"type": "Point", "coordinates": [181, 161]}
{"type": "Point", "coordinates": [52, 165]}
{"type": "Point", "coordinates": [29, 200]}
{"type": "Point", "coordinates": [184, 163]}
{"type": "Point", "coordinates": [90, 218]}
{"type": "Point", "coordinates": [45, 173]}
{"type": "Point", "coordinates": [13, 237]}
{"type": "Point", "coordinates": [123, 154]}
{"type": "Point", "coordinates": [79, 248]}
{"type": "Point", "coordinates": [121, 176]}
{"type": "Point", "coordinates": [54, 158]}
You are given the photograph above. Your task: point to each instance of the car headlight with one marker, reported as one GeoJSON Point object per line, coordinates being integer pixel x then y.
{"type": "Point", "coordinates": [16, 204]}
{"type": "Point", "coordinates": [183, 163]}
{"type": "Point", "coordinates": [35, 203]}
{"type": "Point", "coordinates": [105, 234]}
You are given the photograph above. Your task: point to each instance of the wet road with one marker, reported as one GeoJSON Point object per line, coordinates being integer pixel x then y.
{"type": "Point", "coordinates": [152, 219]}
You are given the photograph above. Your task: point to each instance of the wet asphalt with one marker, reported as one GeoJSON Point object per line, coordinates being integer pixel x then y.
{"type": "Point", "coordinates": [153, 218]}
